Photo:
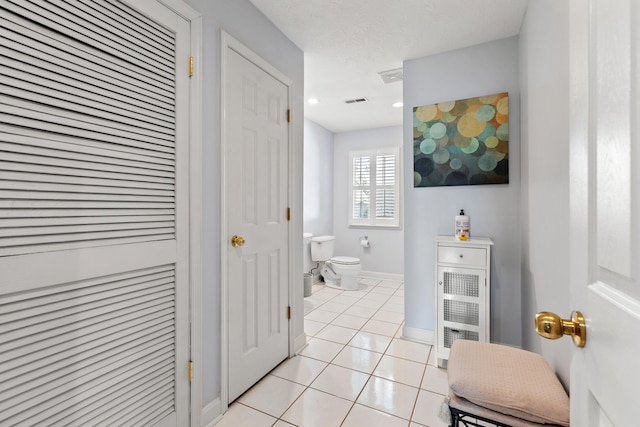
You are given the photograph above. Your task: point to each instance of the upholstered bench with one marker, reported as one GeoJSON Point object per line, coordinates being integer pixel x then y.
{"type": "Point", "coordinates": [503, 386]}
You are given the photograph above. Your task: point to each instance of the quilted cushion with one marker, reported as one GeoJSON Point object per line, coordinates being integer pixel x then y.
{"type": "Point", "coordinates": [507, 380]}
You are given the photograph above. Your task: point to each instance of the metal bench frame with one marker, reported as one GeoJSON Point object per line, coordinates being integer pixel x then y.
{"type": "Point", "coordinates": [465, 419]}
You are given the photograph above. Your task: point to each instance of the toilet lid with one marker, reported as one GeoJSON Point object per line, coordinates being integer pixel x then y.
{"type": "Point", "coordinates": [345, 260]}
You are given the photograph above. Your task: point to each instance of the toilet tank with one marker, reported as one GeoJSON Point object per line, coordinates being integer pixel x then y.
{"type": "Point", "coordinates": [322, 247]}
{"type": "Point", "coordinates": [306, 252]}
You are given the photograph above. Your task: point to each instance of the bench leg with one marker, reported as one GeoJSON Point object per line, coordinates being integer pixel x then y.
{"type": "Point", "coordinates": [465, 419]}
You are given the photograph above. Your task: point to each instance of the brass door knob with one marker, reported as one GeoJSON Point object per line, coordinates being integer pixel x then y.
{"type": "Point", "coordinates": [237, 241]}
{"type": "Point", "coordinates": [551, 326]}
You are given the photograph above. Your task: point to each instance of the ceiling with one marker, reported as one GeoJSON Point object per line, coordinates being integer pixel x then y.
{"type": "Point", "coordinates": [346, 43]}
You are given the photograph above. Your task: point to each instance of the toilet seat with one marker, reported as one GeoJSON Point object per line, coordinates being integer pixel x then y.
{"type": "Point", "coordinates": [345, 260]}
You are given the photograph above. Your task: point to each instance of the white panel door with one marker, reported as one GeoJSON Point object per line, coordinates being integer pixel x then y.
{"type": "Point", "coordinates": [257, 173]}
{"type": "Point", "coordinates": [94, 212]}
{"type": "Point", "coordinates": [605, 207]}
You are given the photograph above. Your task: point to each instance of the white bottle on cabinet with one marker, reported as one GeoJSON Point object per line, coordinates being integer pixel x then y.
{"type": "Point", "coordinates": [463, 291]}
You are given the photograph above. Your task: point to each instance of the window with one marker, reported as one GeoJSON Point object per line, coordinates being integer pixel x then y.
{"type": "Point", "coordinates": [375, 188]}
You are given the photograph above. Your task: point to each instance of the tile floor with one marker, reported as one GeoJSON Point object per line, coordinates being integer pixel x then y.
{"type": "Point", "coordinates": [355, 371]}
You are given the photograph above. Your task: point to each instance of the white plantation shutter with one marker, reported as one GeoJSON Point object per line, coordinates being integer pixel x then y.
{"type": "Point", "coordinates": [375, 188]}
{"type": "Point", "coordinates": [385, 186]}
{"type": "Point", "coordinates": [361, 187]}
{"type": "Point", "coordinates": [89, 205]}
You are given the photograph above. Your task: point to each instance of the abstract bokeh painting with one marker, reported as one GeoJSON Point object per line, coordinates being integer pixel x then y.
{"type": "Point", "coordinates": [463, 142]}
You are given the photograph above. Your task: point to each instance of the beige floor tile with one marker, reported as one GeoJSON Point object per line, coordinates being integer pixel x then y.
{"type": "Point", "coordinates": [337, 334]}
{"type": "Point", "coordinates": [396, 300]}
{"type": "Point", "coordinates": [435, 380]}
{"type": "Point", "coordinates": [281, 423]}
{"type": "Point", "coordinates": [410, 350]}
{"type": "Point", "coordinates": [272, 395]}
{"type": "Point", "coordinates": [239, 415]}
{"type": "Point", "coordinates": [371, 296]}
{"type": "Point", "coordinates": [383, 290]}
{"type": "Point", "coordinates": [321, 349]}
{"type": "Point", "coordinates": [363, 416]}
{"type": "Point", "coordinates": [349, 321]}
{"type": "Point", "coordinates": [400, 370]}
{"type": "Point", "coordinates": [346, 299]}
{"type": "Point", "coordinates": [370, 341]}
{"type": "Point", "coordinates": [361, 292]}
{"type": "Point", "coordinates": [433, 360]}
{"type": "Point", "coordinates": [389, 397]}
{"type": "Point", "coordinates": [400, 333]}
{"type": "Point", "coordinates": [427, 409]}
{"type": "Point", "coordinates": [311, 327]}
{"type": "Point", "coordinates": [321, 297]}
{"type": "Point", "coordinates": [317, 409]}
{"type": "Point", "coordinates": [331, 291]}
{"type": "Point", "coordinates": [396, 308]}
{"type": "Point", "coordinates": [314, 302]}
{"type": "Point", "coordinates": [390, 284]}
{"type": "Point", "coordinates": [335, 307]}
{"type": "Point", "coordinates": [300, 369]}
{"type": "Point", "coordinates": [367, 303]}
{"type": "Point", "coordinates": [341, 382]}
{"type": "Point", "coordinates": [380, 328]}
{"type": "Point", "coordinates": [365, 312]}
{"type": "Point", "coordinates": [358, 359]}
{"type": "Point", "coordinates": [320, 315]}
{"type": "Point", "coordinates": [388, 316]}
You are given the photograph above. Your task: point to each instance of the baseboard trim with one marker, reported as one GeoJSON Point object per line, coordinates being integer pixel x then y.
{"type": "Point", "coordinates": [381, 276]}
{"type": "Point", "coordinates": [299, 343]}
{"type": "Point", "coordinates": [423, 336]}
{"type": "Point", "coordinates": [211, 413]}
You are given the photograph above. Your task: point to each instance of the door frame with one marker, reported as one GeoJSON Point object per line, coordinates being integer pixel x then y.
{"type": "Point", "coordinates": [195, 200]}
{"type": "Point", "coordinates": [230, 43]}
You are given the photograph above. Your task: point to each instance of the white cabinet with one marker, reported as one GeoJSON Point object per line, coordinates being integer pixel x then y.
{"type": "Point", "coordinates": [463, 291]}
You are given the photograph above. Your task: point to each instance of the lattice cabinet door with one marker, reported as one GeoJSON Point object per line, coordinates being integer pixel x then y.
{"type": "Point", "coordinates": [463, 292]}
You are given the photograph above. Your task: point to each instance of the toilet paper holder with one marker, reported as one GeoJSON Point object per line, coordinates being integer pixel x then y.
{"type": "Point", "coordinates": [364, 242]}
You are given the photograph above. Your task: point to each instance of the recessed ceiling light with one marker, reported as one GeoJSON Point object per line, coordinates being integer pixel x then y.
{"type": "Point", "coordinates": [397, 104]}
{"type": "Point", "coordinates": [312, 101]}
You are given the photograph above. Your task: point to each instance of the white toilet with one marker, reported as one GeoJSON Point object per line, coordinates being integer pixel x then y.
{"type": "Point", "coordinates": [339, 272]}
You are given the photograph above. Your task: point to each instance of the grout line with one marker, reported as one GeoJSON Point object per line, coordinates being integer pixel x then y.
{"type": "Point", "coordinates": [345, 345]}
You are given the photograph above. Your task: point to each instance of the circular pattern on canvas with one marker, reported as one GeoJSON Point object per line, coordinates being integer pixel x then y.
{"type": "Point", "coordinates": [462, 142]}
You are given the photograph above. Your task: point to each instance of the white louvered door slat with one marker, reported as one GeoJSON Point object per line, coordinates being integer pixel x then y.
{"type": "Point", "coordinates": [89, 34]}
{"type": "Point", "coordinates": [83, 63]}
{"type": "Point", "coordinates": [93, 213]}
{"type": "Point", "coordinates": [31, 136]}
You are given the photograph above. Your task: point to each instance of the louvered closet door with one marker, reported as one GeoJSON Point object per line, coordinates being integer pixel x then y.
{"type": "Point", "coordinates": [93, 213]}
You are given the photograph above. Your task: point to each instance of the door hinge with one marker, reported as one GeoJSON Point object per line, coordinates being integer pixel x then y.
{"type": "Point", "coordinates": [288, 214]}
{"type": "Point", "coordinates": [289, 312]}
{"type": "Point", "coordinates": [190, 66]}
{"type": "Point", "coordinates": [289, 116]}
{"type": "Point", "coordinates": [190, 370]}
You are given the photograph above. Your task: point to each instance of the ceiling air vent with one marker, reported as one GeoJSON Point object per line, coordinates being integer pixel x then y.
{"type": "Point", "coordinates": [355, 101]}
{"type": "Point", "coordinates": [391, 76]}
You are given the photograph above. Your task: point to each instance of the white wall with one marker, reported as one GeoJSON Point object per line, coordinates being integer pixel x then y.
{"type": "Point", "coordinates": [318, 179]}
{"type": "Point", "coordinates": [244, 22]}
{"type": "Point", "coordinates": [387, 245]}
{"type": "Point", "coordinates": [544, 56]}
{"type": "Point", "coordinates": [494, 209]}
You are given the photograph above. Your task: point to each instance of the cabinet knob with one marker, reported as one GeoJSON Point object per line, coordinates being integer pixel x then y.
{"type": "Point", "coordinates": [461, 255]}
